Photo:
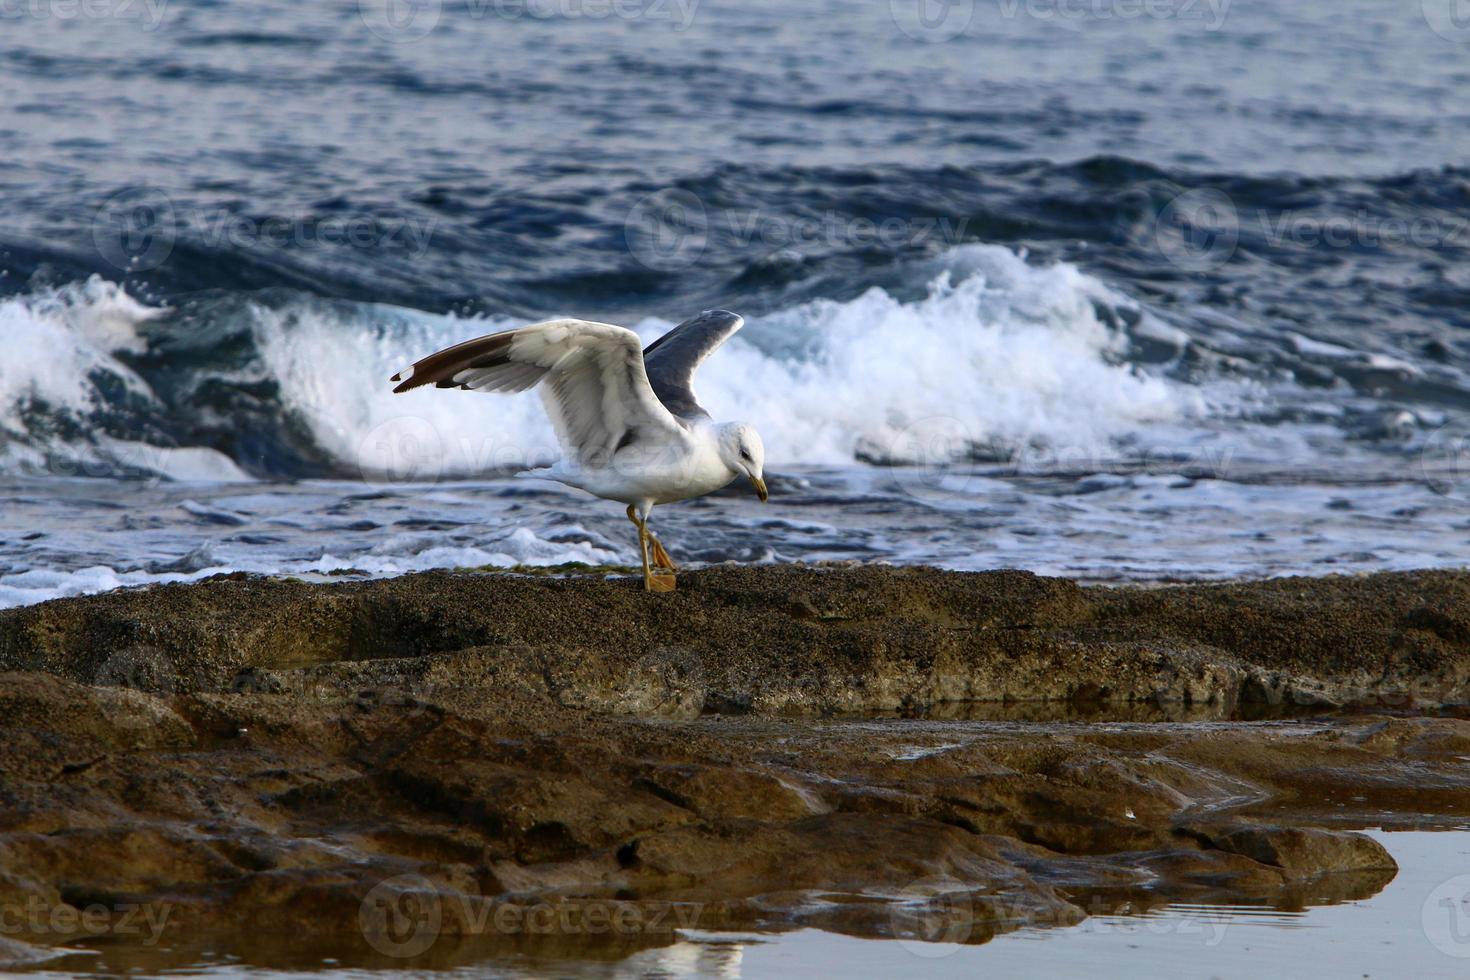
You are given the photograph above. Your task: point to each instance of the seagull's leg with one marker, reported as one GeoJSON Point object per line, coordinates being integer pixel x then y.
{"type": "Point", "coordinates": [647, 542]}
{"type": "Point", "coordinates": [661, 557]}
{"type": "Point", "coordinates": [642, 547]}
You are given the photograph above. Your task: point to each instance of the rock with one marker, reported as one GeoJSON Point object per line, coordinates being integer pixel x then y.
{"type": "Point", "coordinates": [1304, 852]}
{"type": "Point", "coordinates": [782, 640]}
{"type": "Point", "coordinates": [432, 766]}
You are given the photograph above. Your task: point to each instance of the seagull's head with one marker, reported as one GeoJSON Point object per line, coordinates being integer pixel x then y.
{"type": "Point", "coordinates": [743, 452]}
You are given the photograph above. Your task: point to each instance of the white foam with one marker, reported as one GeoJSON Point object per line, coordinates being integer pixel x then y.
{"type": "Point", "coordinates": [393, 554]}
{"type": "Point", "coordinates": [998, 350]}
{"type": "Point", "coordinates": [519, 546]}
{"type": "Point", "coordinates": [186, 464]}
{"type": "Point", "coordinates": [56, 340]}
{"type": "Point", "coordinates": [333, 373]}
{"type": "Point", "coordinates": [39, 585]}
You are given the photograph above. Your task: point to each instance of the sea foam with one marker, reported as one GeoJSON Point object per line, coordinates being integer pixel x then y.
{"type": "Point", "coordinates": [994, 351]}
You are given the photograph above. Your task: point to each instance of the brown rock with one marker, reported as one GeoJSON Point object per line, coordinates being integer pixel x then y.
{"type": "Point", "coordinates": [1303, 852]}
{"type": "Point", "coordinates": [286, 759]}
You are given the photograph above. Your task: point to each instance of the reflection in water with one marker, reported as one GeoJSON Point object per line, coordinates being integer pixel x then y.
{"type": "Point", "coordinates": [1289, 900]}
{"type": "Point", "coordinates": [1348, 924]}
{"type": "Point", "coordinates": [280, 956]}
{"type": "Point", "coordinates": [1053, 712]}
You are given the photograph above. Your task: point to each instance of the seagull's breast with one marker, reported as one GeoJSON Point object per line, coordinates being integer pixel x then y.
{"type": "Point", "coordinates": [658, 470]}
{"type": "Point", "coordinates": [699, 471]}
{"type": "Point", "coordinates": [676, 469]}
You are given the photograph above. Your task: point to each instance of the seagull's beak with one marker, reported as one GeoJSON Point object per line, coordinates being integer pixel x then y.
{"type": "Point", "coordinates": [760, 488]}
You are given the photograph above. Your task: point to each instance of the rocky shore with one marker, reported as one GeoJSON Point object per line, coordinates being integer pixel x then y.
{"type": "Point", "coordinates": [442, 766]}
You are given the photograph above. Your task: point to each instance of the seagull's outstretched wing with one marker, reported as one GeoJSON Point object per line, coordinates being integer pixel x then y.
{"type": "Point", "coordinates": [597, 391]}
{"type": "Point", "coordinates": [673, 358]}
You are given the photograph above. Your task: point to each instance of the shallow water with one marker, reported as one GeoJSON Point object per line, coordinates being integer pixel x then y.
{"type": "Point", "coordinates": [67, 537]}
{"type": "Point", "coordinates": [1418, 925]}
{"type": "Point", "coordinates": [1401, 931]}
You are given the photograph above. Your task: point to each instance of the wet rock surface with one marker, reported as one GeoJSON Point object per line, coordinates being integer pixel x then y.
{"type": "Point", "coordinates": [420, 769]}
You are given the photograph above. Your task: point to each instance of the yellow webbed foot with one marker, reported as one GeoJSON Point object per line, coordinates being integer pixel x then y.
{"type": "Point", "coordinates": [659, 583]}
{"type": "Point", "coordinates": [661, 557]}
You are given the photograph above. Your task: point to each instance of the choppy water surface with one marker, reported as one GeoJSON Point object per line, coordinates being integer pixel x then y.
{"type": "Point", "coordinates": [1145, 291]}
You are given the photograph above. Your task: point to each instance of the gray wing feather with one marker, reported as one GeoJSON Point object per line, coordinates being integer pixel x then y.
{"type": "Point", "coordinates": [672, 359]}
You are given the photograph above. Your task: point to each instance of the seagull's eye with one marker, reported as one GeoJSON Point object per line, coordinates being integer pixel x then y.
{"type": "Point", "coordinates": [745, 454]}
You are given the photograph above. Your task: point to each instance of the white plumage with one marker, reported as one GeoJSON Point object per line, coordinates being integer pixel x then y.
{"type": "Point", "coordinates": [624, 435]}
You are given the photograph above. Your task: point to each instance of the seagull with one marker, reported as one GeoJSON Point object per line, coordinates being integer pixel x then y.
{"type": "Point", "coordinates": [627, 420]}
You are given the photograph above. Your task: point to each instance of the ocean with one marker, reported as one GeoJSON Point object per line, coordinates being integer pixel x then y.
{"type": "Point", "coordinates": [1119, 290]}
